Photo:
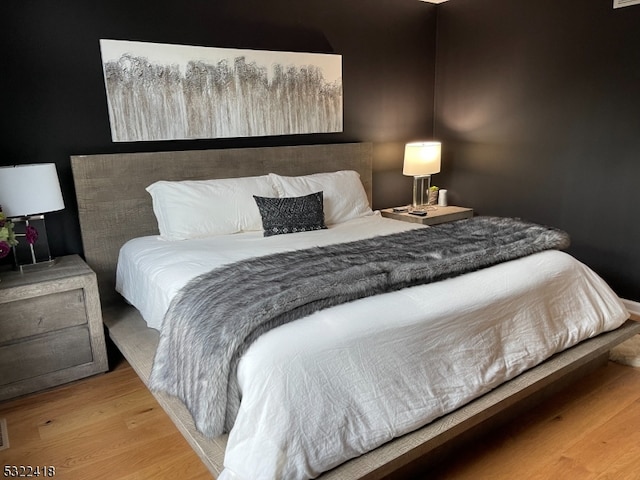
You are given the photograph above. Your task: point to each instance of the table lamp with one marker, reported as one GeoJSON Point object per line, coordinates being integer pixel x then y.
{"type": "Point", "coordinates": [27, 192]}
{"type": "Point", "coordinates": [421, 160]}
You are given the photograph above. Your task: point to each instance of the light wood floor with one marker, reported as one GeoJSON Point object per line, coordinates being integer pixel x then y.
{"type": "Point", "coordinates": [110, 427]}
{"type": "Point", "coordinates": [591, 430]}
{"type": "Point", "coordinates": [104, 427]}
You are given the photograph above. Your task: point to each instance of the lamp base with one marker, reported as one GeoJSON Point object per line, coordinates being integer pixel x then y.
{"type": "Point", "coordinates": [418, 187]}
{"type": "Point", "coordinates": [32, 250]}
{"type": "Point", "coordinates": [32, 267]}
{"type": "Point", "coordinates": [423, 208]}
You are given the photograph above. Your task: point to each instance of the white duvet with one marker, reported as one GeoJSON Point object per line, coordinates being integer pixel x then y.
{"type": "Point", "coordinates": [345, 380]}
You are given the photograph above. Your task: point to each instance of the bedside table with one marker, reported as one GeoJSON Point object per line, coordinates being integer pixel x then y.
{"type": "Point", "coordinates": [433, 217]}
{"type": "Point", "coordinates": [50, 327]}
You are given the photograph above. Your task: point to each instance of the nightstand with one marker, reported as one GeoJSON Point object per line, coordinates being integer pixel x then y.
{"type": "Point", "coordinates": [433, 217]}
{"type": "Point", "coordinates": [51, 328]}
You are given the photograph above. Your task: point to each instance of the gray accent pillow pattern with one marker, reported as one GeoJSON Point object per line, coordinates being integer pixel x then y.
{"type": "Point", "coordinates": [291, 214]}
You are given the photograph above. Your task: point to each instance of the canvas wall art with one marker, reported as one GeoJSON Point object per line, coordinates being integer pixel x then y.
{"type": "Point", "coordinates": [173, 92]}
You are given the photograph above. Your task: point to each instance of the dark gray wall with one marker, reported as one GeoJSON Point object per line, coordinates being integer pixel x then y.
{"type": "Point", "coordinates": [537, 103]}
{"type": "Point", "coordinates": [53, 96]}
{"type": "Point", "coordinates": [538, 108]}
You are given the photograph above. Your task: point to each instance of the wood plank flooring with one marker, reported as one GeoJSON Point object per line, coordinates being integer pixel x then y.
{"type": "Point", "coordinates": [110, 427]}
{"type": "Point", "coordinates": [590, 430]}
{"type": "Point", "coordinates": [104, 427]}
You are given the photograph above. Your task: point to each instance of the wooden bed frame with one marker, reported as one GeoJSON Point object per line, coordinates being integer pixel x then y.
{"type": "Point", "coordinates": [114, 207]}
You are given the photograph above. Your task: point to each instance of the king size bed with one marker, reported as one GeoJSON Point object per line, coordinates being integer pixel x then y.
{"type": "Point", "coordinates": [373, 366]}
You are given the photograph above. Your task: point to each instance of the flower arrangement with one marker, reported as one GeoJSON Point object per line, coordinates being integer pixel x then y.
{"type": "Point", "coordinates": [433, 195]}
{"type": "Point", "coordinates": [7, 235]}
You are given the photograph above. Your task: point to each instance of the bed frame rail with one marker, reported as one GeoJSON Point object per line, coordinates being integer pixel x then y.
{"type": "Point", "coordinates": [392, 460]}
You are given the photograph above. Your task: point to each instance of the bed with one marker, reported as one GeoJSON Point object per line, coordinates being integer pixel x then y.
{"type": "Point", "coordinates": [115, 208]}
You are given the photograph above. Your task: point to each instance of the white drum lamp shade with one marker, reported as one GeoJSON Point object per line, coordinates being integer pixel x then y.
{"type": "Point", "coordinates": [30, 189]}
{"type": "Point", "coordinates": [421, 158]}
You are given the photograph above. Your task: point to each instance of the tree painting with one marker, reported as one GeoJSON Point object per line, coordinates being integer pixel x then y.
{"type": "Point", "coordinates": [171, 92]}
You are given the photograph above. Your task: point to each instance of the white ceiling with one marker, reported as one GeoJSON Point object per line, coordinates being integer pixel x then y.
{"type": "Point", "coordinates": [433, 1]}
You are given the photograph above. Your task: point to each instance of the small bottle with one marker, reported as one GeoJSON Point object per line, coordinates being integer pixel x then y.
{"type": "Point", "coordinates": [442, 198]}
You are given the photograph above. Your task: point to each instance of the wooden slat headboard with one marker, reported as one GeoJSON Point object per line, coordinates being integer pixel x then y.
{"type": "Point", "coordinates": [114, 206]}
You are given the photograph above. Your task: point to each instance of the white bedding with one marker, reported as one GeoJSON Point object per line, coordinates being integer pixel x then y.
{"type": "Point", "coordinates": [151, 270]}
{"type": "Point", "coordinates": [345, 380]}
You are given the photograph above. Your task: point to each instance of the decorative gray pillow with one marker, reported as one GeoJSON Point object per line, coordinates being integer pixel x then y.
{"type": "Point", "coordinates": [291, 214]}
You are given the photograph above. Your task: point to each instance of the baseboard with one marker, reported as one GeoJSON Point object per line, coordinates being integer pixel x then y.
{"type": "Point", "coordinates": [633, 307]}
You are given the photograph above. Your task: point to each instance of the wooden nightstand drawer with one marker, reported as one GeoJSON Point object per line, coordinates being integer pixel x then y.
{"type": "Point", "coordinates": [51, 328]}
{"type": "Point", "coordinates": [44, 354]}
{"type": "Point", "coordinates": [37, 315]}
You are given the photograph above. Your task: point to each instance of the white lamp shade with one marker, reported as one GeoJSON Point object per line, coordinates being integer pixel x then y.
{"type": "Point", "coordinates": [421, 158]}
{"type": "Point", "coordinates": [30, 189]}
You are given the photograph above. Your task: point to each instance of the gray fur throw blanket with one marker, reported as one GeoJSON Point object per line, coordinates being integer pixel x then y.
{"type": "Point", "coordinates": [214, 319]}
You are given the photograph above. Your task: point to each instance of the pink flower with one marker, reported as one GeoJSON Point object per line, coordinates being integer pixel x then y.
{"type": "Point", "coordinates": [4, 249]}
{"type": "Point", "coordinates": [31, 234]}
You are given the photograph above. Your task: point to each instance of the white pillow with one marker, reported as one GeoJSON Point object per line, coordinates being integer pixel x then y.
{"type": "Point", "coordinates": [343, 193]}
{"type": "Point", "coordinates": [201, 208]}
